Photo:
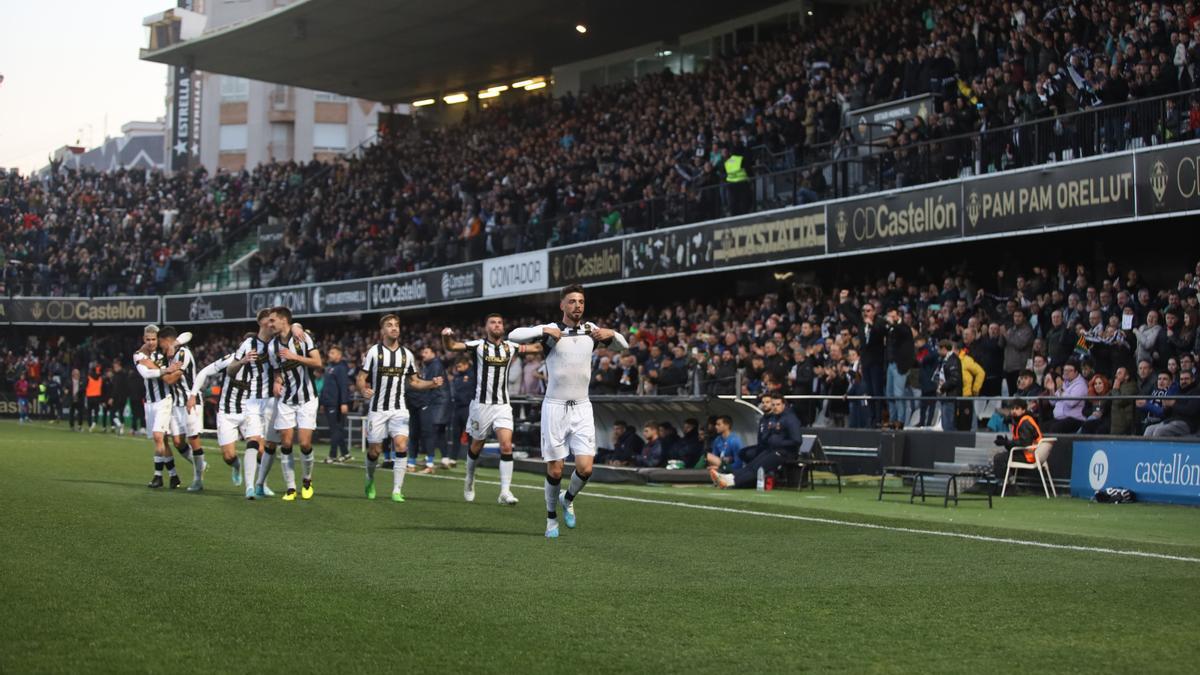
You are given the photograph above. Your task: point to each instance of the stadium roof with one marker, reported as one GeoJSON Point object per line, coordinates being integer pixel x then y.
{"type": "Point", "coordinates": [396, 50]}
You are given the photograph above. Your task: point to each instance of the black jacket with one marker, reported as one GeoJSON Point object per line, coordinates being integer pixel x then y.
{"type": "Point", "coordinates": [689, 449]}
{"type": "Point", "coordinates": [871, 342]}
{"type": "Point", "coordinates": [438, 400]}
{"type": "Point", "coordinates": [462, 388]}
{"type": "Point", "coordinates": [628, 446]}
{"type": "Point", "coordinates": [780, 433]}
{"type": "Point", "coordinates": [951, 369]}
{"type": "Point", "coordinates": [900, 350]}
{"type": "Point", "coordinates": [1186, 410]}
{"type": "Point", "coordinates": [336, 388]}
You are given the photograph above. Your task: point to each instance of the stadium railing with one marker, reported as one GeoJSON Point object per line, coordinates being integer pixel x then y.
{"type": "Point", "coordinates": [844, 169]}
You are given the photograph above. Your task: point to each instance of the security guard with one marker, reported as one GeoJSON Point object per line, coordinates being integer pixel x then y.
{"type": "Point", "coordinates": [1026, 434]}
{"type": "Point", "coordinates": [737, 181]}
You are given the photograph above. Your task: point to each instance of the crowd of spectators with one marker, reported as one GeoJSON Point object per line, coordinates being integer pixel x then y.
{"type": "Point", "coordinates": [126, 232]}
{"type": "Point", "coordinates": [1075, 343]}
{"type": "Point", "coordinates": [539, 171]}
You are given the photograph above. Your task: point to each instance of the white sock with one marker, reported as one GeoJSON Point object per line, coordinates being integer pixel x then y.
{"type": "Point", "coordinates": [288, 463]}
{"type": "Point", "coordinates": [471, 470]}
{"type": "Point", "coordinates": [506, 470]}
{"type": "Point", "coordinates": [199, 465]}
{"type": "Point", "coordinates": [306, 463]}
{"type": "Point", "coordinates": [264, 468]}
{"type": "Point", "coordinates": [371, 468]}
{"type": "Point", "coordinates": [158, 465]}
{"type": "Point", "coordinates": [577, 484]}
{"type": "Point", "coordinates": [552, 499]}
{"type": "Point", "coordinates": [250, 467]}
{"type": "Point", "coordinates": [398, 469]}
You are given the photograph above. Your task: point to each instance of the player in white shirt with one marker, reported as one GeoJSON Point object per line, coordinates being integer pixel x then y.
{"type": "Point", "coordinates": [567, 423]}
{"type": "Point", "coordinates": [186, 422]}
{"type": "Point", "coordinates": [232, 413]}
{"type": "Point", "coordinates": [387, 368]}
{"type": "Point", "coordinates": [294, 358]}
{"type": "Point", "coordinates": [490, 411]}
{"type": "Point", "coordinates": [157, 377]}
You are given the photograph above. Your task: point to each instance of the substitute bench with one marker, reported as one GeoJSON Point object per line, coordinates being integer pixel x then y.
{"type": "Point", "coordinates": [918, 474]}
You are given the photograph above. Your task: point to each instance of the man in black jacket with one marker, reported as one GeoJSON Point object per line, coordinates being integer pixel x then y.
{"type": "Point", "coordinates": [871, 337]}
{"type": "Point", "coordinates": [429, 413]}
{"type": "Point", "coordinates": [462, 392]}
{"type": "Point", "coordinates": [690, 448]}
{"type": "Point", "coordinates": [779, 437]}
{"type": "Point", "coordinates": [901, 356]}
{"type": "Point", "coordinates": [335, 403]}
{"type": "Point", "coordinates": [627, 445]}
{"type": "Point", "coordinates": [949, 382]}
{"type": "Point", "coordinates": [118, 395]}
{"type": "Point", "coordinates": [669, 377]}
{"type": "Point", "coordinates": [1182, 415]}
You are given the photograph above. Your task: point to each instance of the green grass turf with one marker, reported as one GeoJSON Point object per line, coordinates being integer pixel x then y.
{"type": "Point", "coordinates": [102, 574]}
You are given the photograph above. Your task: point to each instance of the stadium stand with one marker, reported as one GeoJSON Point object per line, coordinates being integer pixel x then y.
{"type": "Point", "coordinates": [1107, 324]}
{"type": "Point", "coordinates": [643, 154]}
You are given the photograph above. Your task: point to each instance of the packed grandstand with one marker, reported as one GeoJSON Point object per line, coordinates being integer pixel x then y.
{"type": "Point", "coordinates": [645, 154]}
{"type": "Point", "coordinates": [651, 153]}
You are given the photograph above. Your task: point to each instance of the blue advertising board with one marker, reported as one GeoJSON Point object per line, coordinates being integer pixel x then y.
{"type": "Point", "coordinates": [1155, 471]}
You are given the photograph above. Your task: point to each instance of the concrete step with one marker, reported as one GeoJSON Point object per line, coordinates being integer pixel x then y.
{"type": "Point", "coordinates": [974, 455]}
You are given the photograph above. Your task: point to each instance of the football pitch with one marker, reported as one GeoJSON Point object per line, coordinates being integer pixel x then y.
{"type": "Point", "coordinates": [101, 574]}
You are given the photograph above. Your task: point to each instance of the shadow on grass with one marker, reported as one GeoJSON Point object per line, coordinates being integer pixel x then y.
{"type": "Point", "coordinates": [468, 530]}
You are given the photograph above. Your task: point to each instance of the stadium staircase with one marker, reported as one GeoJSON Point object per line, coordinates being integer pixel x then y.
{"type": "Point", "coordinates": [217, 274]}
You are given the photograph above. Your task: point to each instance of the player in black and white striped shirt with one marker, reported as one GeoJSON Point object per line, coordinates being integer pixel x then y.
{"type": "Point", "coordinates": [294, 358]}
{"type": "Point", "coordinates": [490, 411]}
{"type": "Point", "coordinates": [387, 369]}
{"type": "Point", "coordinates": [252, 365]}
{"type": "Point", "coordinates": [186, 423]}
{"type": "Point", "coordinates": [157, 376]}
{"type": "Point", "coordinates": [231, 413]}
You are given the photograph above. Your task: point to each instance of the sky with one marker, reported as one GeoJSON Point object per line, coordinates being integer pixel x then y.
{"type": "Point", "coordinates": [72, 74]}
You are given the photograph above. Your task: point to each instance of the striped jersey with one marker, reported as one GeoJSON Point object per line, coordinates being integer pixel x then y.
{"type": "Point", "coordinates": [179, 390]}
{"type": "Point", "coordinates": [156, 389]}
{"type": "Point", "coordinates": [492, 360]}
{"type": "Point", "coordinates": [298, 383]}
{"type": "Point", "coordinates": [388, 371]}
{"type": "Point", "coordinates": [259, 375]}
{"type": "Point", "coordinates": [234, 392]}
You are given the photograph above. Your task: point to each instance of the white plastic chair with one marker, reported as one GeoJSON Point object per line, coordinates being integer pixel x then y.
{"type": "Point", "coordinates": [1040, 463]}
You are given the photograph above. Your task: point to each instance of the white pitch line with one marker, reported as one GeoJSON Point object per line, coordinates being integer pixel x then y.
{"type": "Point", "coordinates": [866, 526]}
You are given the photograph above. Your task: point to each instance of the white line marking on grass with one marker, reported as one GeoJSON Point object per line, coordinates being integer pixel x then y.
{"type": "Point", "coordinates": [865, 526]}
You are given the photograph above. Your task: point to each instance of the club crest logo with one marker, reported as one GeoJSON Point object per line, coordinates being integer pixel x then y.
{"type": "Point", "coordinates": [973, 208]}
{"type": "Point", "coordinates": [841, 225]}
{"type": "Point", "coordinates": [1158, 180]}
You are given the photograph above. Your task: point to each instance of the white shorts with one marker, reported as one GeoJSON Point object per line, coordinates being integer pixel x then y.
{"type": "Point", "coordinates": [386, 424]}
{"type": "Point", "coordinates": [264, 410]}
{"type": "Point", "coordinates": [187, 424]}
{"type": "Point", "coordinates": [228, 426]}
{"type": "Point", "coordinates": [158, 417]}
{"type": "Point", "coordinates": [567, 429]}
{"type": "Point", "coordinates": [485, 417]}
{"type": "Point", "coordinates": [290, 416]}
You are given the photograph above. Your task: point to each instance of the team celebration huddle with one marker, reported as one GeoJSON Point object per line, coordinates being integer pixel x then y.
{"type": "Point", "coordinates": [268, 400]}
